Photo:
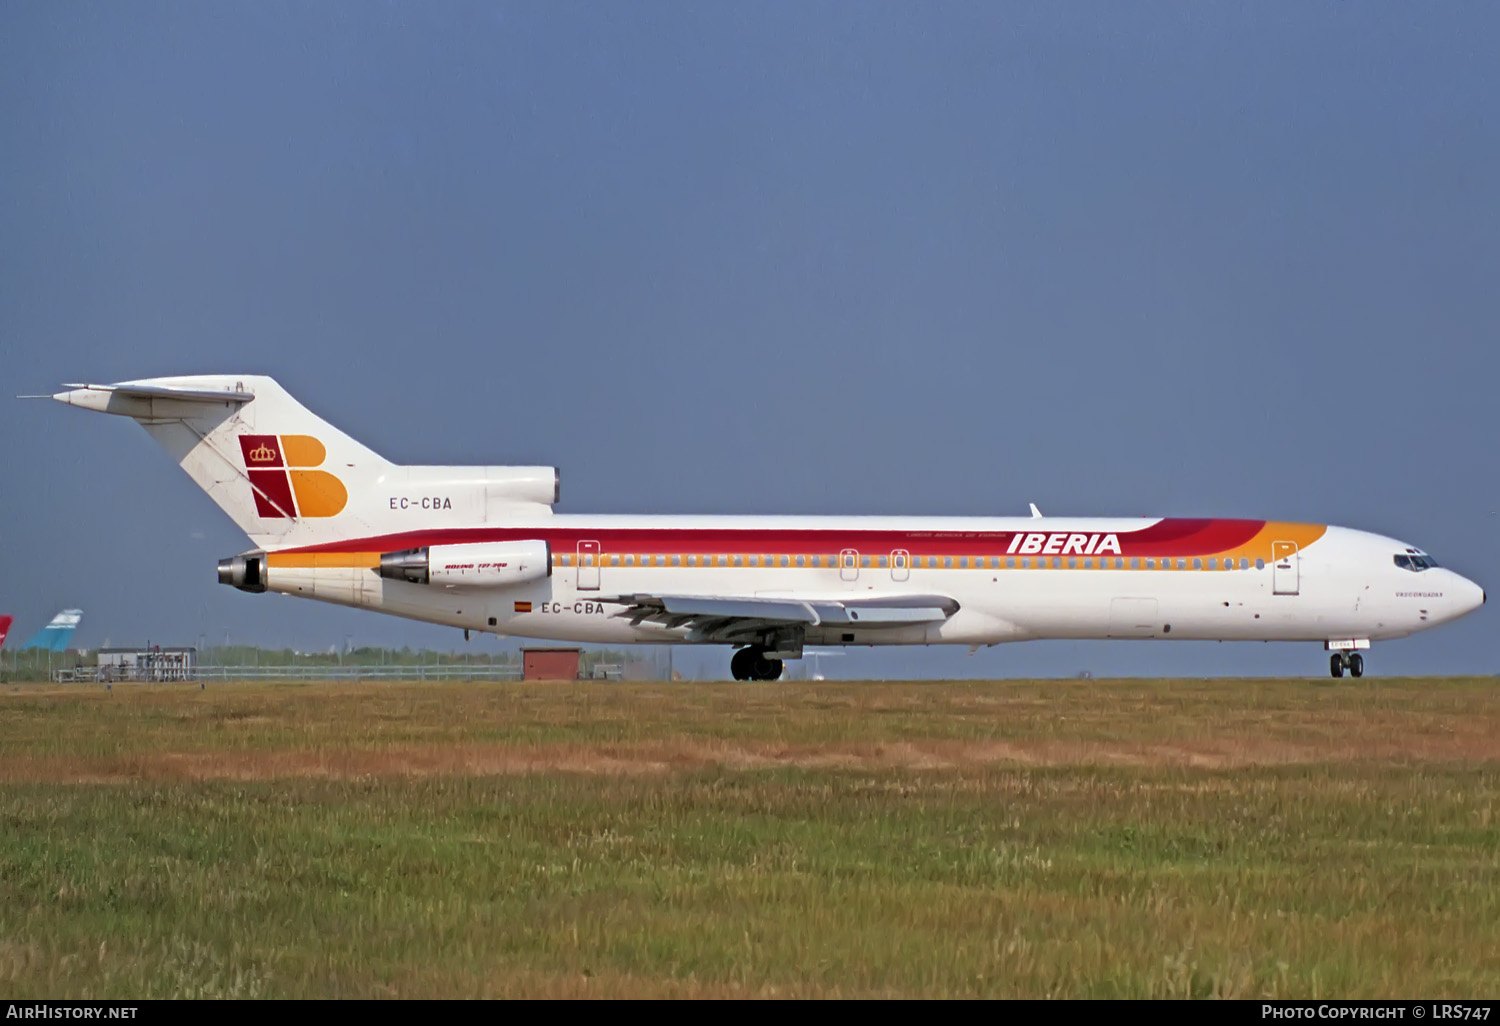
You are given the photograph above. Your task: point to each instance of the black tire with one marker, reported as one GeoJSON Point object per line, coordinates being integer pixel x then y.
{"type": "Point", "coordinates": [1336, 665]}
{"type": "Point", "coordinates": [1356, 665]}
{"type": "Point", "coordinates": [767, 669]}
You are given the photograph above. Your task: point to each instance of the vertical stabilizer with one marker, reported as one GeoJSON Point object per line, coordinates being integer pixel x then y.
{"type": "Point", "coordinates": [55, 636]}
{"type": "Point", "coordinates": [283, 474]}
{"type": "Point", "coordinates": [290, 479]}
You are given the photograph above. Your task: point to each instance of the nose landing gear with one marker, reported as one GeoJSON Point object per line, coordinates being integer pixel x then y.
{"type": "Point", "coordinates": [1351, 661]}
{"type": "Point", "coordinates": [752, 663]}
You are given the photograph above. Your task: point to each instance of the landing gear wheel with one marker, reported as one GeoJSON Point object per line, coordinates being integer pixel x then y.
{"type": "Point", "coordinates": [766, 668]}
{"type": "Point", "coordinates": [1356, 665]}
{"type": "Point", "coordinates": [742, 664]}
{"type": "Point", "coordinates": [1336, 664]}
{"type": "Point", "coordinates": [753, 664]}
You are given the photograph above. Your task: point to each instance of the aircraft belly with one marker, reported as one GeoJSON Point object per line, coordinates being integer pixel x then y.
{"type": "Point", "coordinates": [994, 607]}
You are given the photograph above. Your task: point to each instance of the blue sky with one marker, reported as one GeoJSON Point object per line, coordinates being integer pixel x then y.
{"type": "Point", "coordinates": [1214, 259]}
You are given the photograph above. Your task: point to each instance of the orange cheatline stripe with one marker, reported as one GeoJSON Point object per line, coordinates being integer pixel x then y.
{"type": "Point", "coordinates": [1259, 547]}
{"type": "Point", "coordinates": [325, 560]}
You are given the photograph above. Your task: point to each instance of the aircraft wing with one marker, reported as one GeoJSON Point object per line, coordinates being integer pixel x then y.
{"type": "Point", "coordinates": [731, 618]}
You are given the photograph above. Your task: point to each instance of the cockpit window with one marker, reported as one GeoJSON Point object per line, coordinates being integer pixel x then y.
{"type": "Point", "coordinates": [1416, 562]}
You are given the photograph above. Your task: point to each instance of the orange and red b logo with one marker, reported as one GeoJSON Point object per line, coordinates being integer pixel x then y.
{"type": "Point", "coordinates": [282, 480]}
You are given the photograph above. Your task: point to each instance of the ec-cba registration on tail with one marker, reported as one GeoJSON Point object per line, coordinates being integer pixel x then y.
{"type": "Point", "coordinates": [480, 548]}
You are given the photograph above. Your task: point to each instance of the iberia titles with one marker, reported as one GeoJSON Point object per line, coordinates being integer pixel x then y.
{"type": "Point", "coordinates": [1064, 544]}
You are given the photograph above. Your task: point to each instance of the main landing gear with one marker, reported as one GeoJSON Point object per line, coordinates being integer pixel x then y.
{"type": "Point", "coordinates": [752, 663]}
{"type": "Point", "coordinates": [1351, 661]}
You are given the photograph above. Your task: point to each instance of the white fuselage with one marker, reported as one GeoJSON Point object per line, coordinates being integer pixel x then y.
{"type": "Point", "coordinates": [1341, 585]}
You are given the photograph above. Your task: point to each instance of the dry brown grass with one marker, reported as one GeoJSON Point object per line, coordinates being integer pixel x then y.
{"type": "Point", "coordinates": [342, 731]}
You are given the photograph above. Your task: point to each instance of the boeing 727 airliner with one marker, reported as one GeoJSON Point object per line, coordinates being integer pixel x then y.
{"type": "Point", "coordinates": [480, 548]}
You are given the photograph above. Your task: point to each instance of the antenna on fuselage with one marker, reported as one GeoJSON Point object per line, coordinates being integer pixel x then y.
{"type": "Point", "coordinates": [1036, 514]}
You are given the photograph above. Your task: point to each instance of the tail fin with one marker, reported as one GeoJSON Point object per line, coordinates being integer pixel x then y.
{"type": "Point", "coordinates": [5, 622]}
{"type": "Point", "coordinates": [289, 478]}
{"type": "Point", "coordinates": [55, 636]}
{"type": "Point", "coordinates": [266, 460]}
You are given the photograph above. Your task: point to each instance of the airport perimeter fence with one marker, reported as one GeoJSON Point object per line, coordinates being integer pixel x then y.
{"type": "Point", "coordinates": [196, 674]}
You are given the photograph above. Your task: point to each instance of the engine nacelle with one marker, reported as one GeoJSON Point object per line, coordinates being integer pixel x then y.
{"type": "Point", "coordinates": [523, 484]}
{"type": "Point", "coordinates": [481, 565]}
{"type": "Point", "coordinates": [246, 572]}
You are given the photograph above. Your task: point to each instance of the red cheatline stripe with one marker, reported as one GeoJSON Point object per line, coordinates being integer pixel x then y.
{"type": "Point", "coordinates": [1182, 537]}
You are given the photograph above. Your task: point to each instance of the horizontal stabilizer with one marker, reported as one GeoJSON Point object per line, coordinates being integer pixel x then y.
{"type": "Point", "coordinates": [97, 397]}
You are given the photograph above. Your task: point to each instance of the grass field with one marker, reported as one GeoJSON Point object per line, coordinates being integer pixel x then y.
{"type": "Point", "coordinates": [1232, 838]}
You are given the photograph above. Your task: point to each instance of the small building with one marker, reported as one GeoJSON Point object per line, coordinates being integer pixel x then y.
{"type": "Point", "coordinates": [550, 663]}
{"type": "Point", "coordinates": [153, 663]}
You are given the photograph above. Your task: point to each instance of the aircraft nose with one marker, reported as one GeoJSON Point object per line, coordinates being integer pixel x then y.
{"type": "Point", "coordinates": [1470, 595]}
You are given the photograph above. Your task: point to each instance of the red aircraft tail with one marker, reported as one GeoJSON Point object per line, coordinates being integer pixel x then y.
{"type": "Point", "coordinates": [4, 627]}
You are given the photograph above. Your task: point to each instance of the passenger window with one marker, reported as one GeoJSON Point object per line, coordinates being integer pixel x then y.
{"type": "Point", "coordinates": [1088, 563]}
{"type": "Point", "coordinates": [801, 560]}
{"type": "Point", "coordinates": [1260, 564]}
{"type": "Point", "coordinates": [1010, 562]}
{"type": "Point", "coordinates": [1197, 563]}
{"type": "Point", "coordinates": [883, 560]}
{"type": "Point", "coordinates": [1150, 564]}
{"type": "Point", "coordinates": [723, 560]}
{"type": "Point", "coordinates": [1057, 562]}
{"type": "Point", "coordinates": [1072, 562]}
{"type": "Point", "coordinates": [1213, 564]}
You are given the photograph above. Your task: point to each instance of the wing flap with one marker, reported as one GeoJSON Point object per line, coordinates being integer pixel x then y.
{"type": "Point", "coordinates": [732, 617]}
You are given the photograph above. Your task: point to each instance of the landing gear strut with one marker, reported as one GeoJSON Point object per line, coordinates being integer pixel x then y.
{"type": "Point", "coordinates": [1352, 661]}
{"type": "Point", "coordinates": [752, 663]}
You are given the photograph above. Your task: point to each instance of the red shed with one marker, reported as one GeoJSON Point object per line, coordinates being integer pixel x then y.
{"type": "Point", "coordinates": [550, 663]}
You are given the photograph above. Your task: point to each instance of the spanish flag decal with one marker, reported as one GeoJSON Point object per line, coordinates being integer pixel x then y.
{"type": "Point", "coordinates": [523, 607]}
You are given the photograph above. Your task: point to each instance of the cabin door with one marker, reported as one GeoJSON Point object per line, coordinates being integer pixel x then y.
{"type": "Point", "coordinates": [588, 566]}
{"type": "Point", "coordinates": [1286, 570]}
{"type": "Point", "coordinates": [849, 565]}
{"type": "Point", "coordinates": [900, 565]}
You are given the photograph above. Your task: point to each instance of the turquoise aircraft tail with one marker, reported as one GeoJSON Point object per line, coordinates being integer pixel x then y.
{"type": "Point", "coordinates": [55, 636]}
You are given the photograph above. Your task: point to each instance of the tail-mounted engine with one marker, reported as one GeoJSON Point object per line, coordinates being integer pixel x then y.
{"type": "Point", "coordinates": [482, 565]}
{"type": "Point", "coordinates": [246, 572]}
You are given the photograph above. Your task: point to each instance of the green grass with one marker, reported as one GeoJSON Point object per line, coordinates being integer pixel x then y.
{"type": "Point", "coordinates": [1085, 839]}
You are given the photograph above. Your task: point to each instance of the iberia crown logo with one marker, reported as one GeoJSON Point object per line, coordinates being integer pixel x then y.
{"type": "Point", "coordinates": [282, 479]}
